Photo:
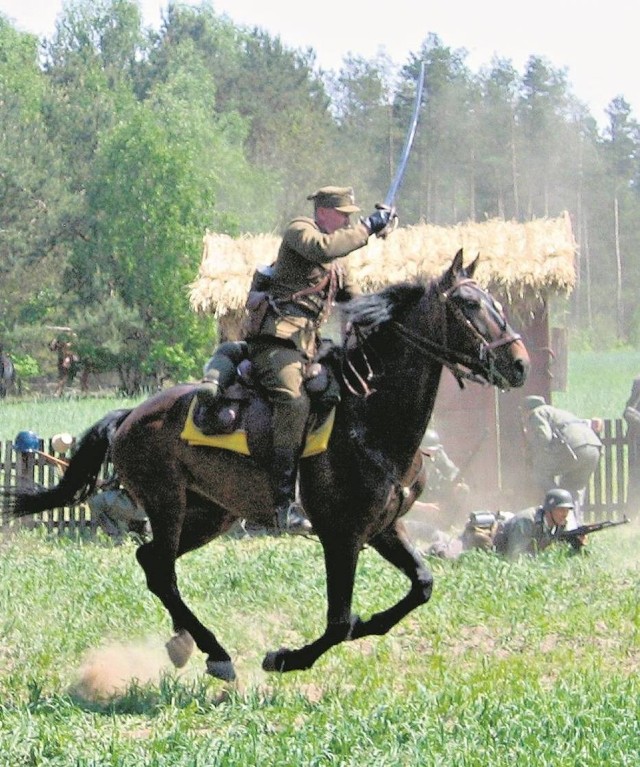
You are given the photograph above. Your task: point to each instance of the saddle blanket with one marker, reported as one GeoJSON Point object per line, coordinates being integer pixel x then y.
{"type": "Point", "coordinates": [236, 441]}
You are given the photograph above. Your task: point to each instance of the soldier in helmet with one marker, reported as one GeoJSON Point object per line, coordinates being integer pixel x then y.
{"type": "Point", "coordinates": [529, 531]}
{"type": "Point", "coordinates": [532, 530]}
{"type": "Point", "coordinates": [563, 450]}
{"type": "Point", "coordinates": [285, 315]}
{"type": "Point", "coordinates": [27, 445]}
{"type": "Point", "coordinates": [445, 487]}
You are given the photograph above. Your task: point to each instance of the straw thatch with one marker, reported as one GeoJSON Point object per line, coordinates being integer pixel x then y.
{"type": "Point", "coordinates": [519, 260]}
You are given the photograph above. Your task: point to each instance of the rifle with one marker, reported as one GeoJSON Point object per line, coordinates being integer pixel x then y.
{"type": "Point", "coordinates": [573, 536]}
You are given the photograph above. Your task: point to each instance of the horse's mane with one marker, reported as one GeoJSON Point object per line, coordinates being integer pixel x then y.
{"type": "Point", "coordinates": [369, 312]}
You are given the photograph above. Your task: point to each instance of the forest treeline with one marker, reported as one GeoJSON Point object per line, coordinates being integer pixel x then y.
{"type": "Point", "coordinates": [120, 145]}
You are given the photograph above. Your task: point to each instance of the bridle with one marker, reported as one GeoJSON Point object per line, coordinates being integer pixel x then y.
{"type": "Point", "coordinates": [458, 363]}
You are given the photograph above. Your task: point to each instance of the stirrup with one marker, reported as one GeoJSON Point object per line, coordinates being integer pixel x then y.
{"type": "Point", "coordinates": [291, 519]}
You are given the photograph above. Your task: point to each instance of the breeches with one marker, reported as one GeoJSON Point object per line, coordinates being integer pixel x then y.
{"type": "Point", "coordinates": [280, 370]}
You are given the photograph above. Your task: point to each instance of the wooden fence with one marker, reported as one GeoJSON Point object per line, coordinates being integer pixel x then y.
{"type": "Point", "coordinates": [41, 469]}
{"type": "Point", "coordinates": [606, 495]}
{"type": "Point", "coordinates": [608, 491]}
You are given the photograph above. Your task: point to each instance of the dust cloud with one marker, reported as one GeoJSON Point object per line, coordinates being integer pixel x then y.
{"type": "Point", "coordinates": [107, 672]}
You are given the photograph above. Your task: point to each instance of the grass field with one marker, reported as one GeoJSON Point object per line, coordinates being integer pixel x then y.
{"type": "Point", "coordinates": [599, 383]}
{"type": "Point", "coordinates": [527, 664]}
{"type": "Point", "coordinates": [532, 663]}
{"type": "Point", "coordinates": [47, 417]}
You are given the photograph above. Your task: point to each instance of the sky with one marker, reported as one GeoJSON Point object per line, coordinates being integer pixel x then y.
{"type": "Point", "coordinates": [595, 41]}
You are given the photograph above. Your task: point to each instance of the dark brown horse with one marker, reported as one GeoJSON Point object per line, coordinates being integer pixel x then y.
{"type": "Point", "coordinates": [354, 492]}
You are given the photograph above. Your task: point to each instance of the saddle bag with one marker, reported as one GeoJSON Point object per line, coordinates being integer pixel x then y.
{"type": "Point", "coordinates": [226, 417]}
{"type": "Point", "coordinates": [258, 300]}
{"type": "Point", "coordinates": [322, 387]}
{"type": "Point", "coordinates": [256, 308]}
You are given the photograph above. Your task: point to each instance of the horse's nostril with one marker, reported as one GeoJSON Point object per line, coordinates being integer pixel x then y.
{"type": "Point", "coordinates": [521, 368]}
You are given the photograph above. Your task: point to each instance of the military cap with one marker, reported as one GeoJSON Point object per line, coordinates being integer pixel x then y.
{"type": "Point", "coordinates": [533, 401]}
{"type": "Point", "coordinates": [339, 197]}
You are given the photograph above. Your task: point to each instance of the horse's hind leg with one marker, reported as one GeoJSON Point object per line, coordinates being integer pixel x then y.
{"type": "Point", "coordinates": [157, 558]}
{"type": "Point", "coordinates": [396, 548]}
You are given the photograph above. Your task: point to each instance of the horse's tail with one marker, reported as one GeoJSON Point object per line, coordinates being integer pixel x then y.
{"type": "Point", "coordinates": [80, 477]}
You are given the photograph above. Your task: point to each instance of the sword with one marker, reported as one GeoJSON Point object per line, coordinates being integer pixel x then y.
{"type": "Point", "coordinates": [402, 165]}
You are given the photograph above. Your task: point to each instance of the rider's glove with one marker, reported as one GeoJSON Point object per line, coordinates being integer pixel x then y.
{"type": "Point", "coordinates": [379, 219]}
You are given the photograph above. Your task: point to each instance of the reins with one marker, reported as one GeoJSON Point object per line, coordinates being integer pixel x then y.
{"type": "Point", "coordinates": [458, 363]}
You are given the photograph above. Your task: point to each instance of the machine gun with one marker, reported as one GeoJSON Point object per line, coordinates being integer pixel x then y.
{"type": "Point", "coordinates": [573, 536]}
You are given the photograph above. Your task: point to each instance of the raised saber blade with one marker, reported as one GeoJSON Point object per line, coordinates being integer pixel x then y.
{"type": "Point", "coordinates": [397, 180]}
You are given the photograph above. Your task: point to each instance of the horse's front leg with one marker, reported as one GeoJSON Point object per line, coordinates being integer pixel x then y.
{"type": "Point", "coordinates": [341, 559]}
{"type": "Point", "coordinates": [394, 545]}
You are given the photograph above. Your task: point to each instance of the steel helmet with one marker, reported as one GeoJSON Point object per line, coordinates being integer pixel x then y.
{"type": "Point", "coordinates": [431, 438]}
{"type": "Point", "coordinates": [26, 442]}
{"type": "Point", "coordinates": [558, 499]}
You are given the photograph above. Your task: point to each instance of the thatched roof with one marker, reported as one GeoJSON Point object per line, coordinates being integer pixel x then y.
{"type": "Point", "coordinates": [519, 260]}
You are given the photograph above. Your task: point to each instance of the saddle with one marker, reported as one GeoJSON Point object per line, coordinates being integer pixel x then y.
{"type": "Point", "coordinates": [241, 419]}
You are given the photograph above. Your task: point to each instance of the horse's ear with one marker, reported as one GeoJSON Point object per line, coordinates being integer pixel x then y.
{"type": "Point", "coordinates": [472, 266]}
{"type": "Point", "coordinates": [450, 276]}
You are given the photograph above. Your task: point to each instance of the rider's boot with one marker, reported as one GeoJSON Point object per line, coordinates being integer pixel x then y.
{"type": "Point", "coordinates": [289, 514]}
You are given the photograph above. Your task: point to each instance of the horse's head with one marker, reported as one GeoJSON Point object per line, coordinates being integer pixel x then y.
{"type": "Point", "coordinates": [453, 322]}
{"type": "Point", "coordinates": [474, 332]}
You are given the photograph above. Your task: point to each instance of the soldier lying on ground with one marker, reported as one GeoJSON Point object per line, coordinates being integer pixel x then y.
{"type": "Point", "coordinates": [530, 531]}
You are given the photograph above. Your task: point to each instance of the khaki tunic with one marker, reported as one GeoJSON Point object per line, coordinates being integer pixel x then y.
{"type": "Point", "coordinates": [288, 335]}
{"type": "Point", "coordinates": [305, 257]}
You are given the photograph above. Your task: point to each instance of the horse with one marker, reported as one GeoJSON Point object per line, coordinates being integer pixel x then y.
{"type": "Point", "coordinates": [355, 492]}
{"type": "Point", "coordinates": [7, 375]}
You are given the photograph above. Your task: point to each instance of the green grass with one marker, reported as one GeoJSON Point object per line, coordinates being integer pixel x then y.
{"type": "Point", "coordinates": [533, 663]}
{"type": "Point", "coordinates": [47, 417]}
{"type": "Point", "coordinates": [599, 383]}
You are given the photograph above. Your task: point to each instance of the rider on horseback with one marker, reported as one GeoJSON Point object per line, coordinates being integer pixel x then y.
{"type": "Point", "coordinates": [306, 278]}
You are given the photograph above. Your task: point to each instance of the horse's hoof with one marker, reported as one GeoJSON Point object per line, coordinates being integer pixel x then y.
{"type": "Point", "coordinates": [180, 647]}
{"type": "Point", "coordinates": [221, 669]}
{"type": "Point", "coordinates": [274, 661]}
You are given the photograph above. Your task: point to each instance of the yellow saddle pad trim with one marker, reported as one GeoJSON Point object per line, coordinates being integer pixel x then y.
{"type": "Point", "coordinates": [317, 440]}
